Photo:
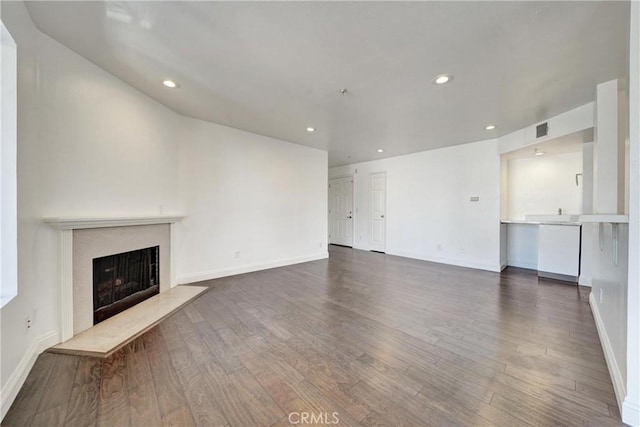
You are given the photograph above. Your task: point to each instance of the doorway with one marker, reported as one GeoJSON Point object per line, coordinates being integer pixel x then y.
{"type": "Point", "coordinates": [341, 211]}
{"type": "Point", "coordinates": [377, 208]}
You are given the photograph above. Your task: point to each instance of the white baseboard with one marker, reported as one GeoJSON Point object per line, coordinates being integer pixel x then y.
{"type": "Point", "coordinates": [19, 375]}
{"type": "Point", "coordinates": [247, 268]}
{"type": "Point", "coordinates": [614, 371]}
{"type": "Point", "coordinates": [449, 261]}
{"type": "Point", "coordinates": [630, 413]}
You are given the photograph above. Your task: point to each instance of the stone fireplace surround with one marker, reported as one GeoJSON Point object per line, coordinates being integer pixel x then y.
{"type": "Point", "coordinates": [83, 239]}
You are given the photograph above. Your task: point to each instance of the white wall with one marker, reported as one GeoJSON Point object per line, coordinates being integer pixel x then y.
{"type": "Point", "coordinates": [428, 204]}
{"type": "Point", "coordinates": [253, 202]}
{"type": "Point", "coordinates": [542, 184]}
{"type": "Point", "coordinates": [522, 246]}
{"type": "Point", "coordinates": [609, 297]}
{"type": "Point", "coordinates": [614, 297]}
{"type": "Point", "coordinates": [87, 145]}
{"type": "Point", "coordinates": [586, 248]}
{"type": "Point", "coordinates": [578, 119]}
{"type": "Point", "coordinates": [631, 406]}
{"type": "Point", "coordinates": [90, 145]}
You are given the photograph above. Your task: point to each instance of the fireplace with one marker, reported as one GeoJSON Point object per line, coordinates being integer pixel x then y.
{"type": "Point", "coordinates": [123, 280]}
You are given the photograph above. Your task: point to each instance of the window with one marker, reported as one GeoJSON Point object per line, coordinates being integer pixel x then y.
{"type": "Point", "coordinates": [8, 188]}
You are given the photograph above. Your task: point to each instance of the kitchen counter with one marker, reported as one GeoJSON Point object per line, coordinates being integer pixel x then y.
{"type": "Point", "coordinates": [550, 247]}
{"type": "Point", "coordinates": [529, 222]}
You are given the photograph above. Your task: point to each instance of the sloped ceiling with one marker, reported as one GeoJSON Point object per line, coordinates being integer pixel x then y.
{"type": "Point", "coordinates": [275, 68]}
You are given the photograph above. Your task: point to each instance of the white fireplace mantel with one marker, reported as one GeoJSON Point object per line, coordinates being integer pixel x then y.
{"type": "Point", "coordinates": [66, 225]}
{"type": "Point", "coordinates": [77, 223]}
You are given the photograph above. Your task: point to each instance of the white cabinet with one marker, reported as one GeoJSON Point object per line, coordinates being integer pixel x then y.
{"type": "Point", "coordinates": [559, 251]}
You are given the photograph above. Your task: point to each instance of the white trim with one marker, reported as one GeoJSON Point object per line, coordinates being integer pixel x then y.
{"type": "Point", "coordinates": [630, 413]}
{"type": "Point", "coordinates": [172, 256]}
{"type": "Point", "coordinates": [449, 261]}
{"type": "Point", "coordinates": [8, 164]}
{"type": "Point", "coordinates": [585, 280]}
{"type": "Point", "coordinates": [614, 371]}
{"type": "Point", "coordinates": [74, 223]}
{"type": "Point", "coordinates": [241, 269]}
{"type": "Point", "coordinates": [66, 284]}
{"type": "Point", "coordinates": [19, 375]}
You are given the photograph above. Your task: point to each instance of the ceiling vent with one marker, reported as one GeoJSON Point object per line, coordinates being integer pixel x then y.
{"type": "Point", "coordinates": [542, 130]}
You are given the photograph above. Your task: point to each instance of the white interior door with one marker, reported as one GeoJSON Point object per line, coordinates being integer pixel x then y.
{"type": "Point", "coordinates": [378, 207]}
{"type": "Point", "coordinates": [341, 211]}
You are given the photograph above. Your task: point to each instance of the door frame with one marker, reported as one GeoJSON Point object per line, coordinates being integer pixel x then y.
{"type": "Point", "coordinates": [353, 208]}
{"type": "Point", "coordinates": [369, 218]}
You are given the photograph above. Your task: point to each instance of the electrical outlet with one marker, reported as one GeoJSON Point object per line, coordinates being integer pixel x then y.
{"type": "Point", "coordinates": [463, 251]}
{"type": "Point", "coordinates": [27, 323]}
{"type": "Point", "coordinates": [237, 254]}
{"type": "Point", "coordinates": [439, 247]}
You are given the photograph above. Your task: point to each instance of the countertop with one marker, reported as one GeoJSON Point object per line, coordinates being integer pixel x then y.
{"type": "Point", "coordinates": [521, 221]}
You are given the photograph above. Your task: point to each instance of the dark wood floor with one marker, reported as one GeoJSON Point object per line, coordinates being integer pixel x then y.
{"type": "Point", "coordinates": [377, 339]}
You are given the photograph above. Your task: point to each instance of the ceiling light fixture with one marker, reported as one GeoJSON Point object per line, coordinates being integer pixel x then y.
{"type": "Point", "coordinates": [538, 153]}
{"type": "Point", "coordinates": [310, 129]}
{"type": "Point", "coordinates": [489, 127]}
{"type": "Point", "coordinates": [442, 79]}
{"type": "Point", "coordinates": [170, 83]}
{"type": "Point", "coordinates": [380, 150]}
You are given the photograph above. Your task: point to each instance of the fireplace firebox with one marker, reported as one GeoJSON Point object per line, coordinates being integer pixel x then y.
{"type": "Point", "coordinates": [123, 280]}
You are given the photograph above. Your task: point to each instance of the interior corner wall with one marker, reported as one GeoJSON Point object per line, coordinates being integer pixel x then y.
{"type": "Point", "coordinates": [253, 202]}
{"type": "Point", "coordinates": [429, 213]}
{"type": "Point", "coordinates": [91, 145]}
{"type": "Point", "coordinates": [88, 144]}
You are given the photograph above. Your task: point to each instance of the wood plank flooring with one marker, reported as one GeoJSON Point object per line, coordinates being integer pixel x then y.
{"type": "Point", "coordinates": [373, 338]}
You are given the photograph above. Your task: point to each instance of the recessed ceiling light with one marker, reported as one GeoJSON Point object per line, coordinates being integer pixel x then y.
{"type": "Point", "coordinates": [170, 83]}
{"type": "Point", "coordinates": [538, 153]}
{"type": "Point", "coordinates": [489, 127]}
{"type": "Point", "coordinates": [380, 150]}
{"type": "Point", "coordinates": [310, 129]}
{"type": "Point", "coordinates": [442, 79]}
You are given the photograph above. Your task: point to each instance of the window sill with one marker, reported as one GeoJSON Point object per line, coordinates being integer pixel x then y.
{"type": "Point", "coordinates": [4, 300]}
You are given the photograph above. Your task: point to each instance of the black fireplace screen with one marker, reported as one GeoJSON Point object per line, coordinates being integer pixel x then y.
{"type": "Point", "coordinates": [123, 280]}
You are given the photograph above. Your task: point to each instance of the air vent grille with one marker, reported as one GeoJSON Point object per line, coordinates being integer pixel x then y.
{"type": "Point", "coordinates": [542, 130]}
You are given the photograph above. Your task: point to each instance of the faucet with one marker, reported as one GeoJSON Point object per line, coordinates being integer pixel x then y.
{"type": "Point", "coordinates": [559, 211]}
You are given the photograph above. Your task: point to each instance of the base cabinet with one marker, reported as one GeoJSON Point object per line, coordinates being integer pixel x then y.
{"type": "Point", "coordinates": [559, 251]}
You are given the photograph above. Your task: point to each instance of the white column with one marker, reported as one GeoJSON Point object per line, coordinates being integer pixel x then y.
{"type": "Point", "coordinates": [608, 196]}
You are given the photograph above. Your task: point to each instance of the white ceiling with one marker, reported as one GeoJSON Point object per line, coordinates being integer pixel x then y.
{"type": "Point", "coordinates": [274, 68]}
